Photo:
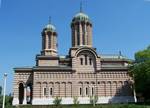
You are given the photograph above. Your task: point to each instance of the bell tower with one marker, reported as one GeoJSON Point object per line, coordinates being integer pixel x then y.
{"type": "Point", "coordinates": [49, 40]}
{"type": "Point", "coordinates": [81, 27]}
{"type": "Point", "coordinates": [49, 55]}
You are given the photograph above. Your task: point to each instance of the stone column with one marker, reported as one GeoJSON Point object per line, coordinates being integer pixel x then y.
{"type": "Point", "coordinates": [55, 42]}
{"type": "Point", "coordinates": [52, 41]}
{"type": "Point", "coordinates": [75, 35]}
{"type": "Point", "coordinates": [89, 27]}
{"type": "Point", "coordinates": [43, 41]}
{"type": "Point", "coordinates": [25, 97]}
{"type": "Point", "coordinates": [46, 41]}
{"type": "Point", "coordinates": [91, 35]}
{"type": "Point", "coordinates": [85, 34]}
{"type": "Point", "coordinates": [80, 32]}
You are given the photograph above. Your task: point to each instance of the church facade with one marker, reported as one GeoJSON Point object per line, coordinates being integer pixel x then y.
{"type": "Point", "coordinates": [81, 74]}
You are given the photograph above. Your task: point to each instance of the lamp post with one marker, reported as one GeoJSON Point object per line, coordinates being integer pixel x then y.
{"type": "Point", "coordinates": [5, 76]}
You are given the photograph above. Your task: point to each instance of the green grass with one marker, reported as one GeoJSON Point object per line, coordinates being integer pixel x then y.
{"type": "Point", "coordinates": [87, 106]}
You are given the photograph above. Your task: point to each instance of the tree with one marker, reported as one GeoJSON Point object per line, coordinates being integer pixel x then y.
{"type": "Point", "coordinates": [8, 101]}
{"type": "Point", "coordinates": [57, 101]}
{"type": "Point", "coordinates": [140, 70]}
{"type": "Point", "coordinates": [0, 90]}
{"type": "Point", "coordinates": [75, 100]}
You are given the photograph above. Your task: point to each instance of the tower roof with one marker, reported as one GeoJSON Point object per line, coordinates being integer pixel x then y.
{"type": "Point", "coordinates": [81, 17]}
{"type": "Point", "coordinates": [50, 27]}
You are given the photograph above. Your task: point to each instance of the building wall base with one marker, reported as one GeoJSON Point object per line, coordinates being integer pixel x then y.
{"type": "Point", "coordinates": [85, 100]}
{"type": "Point", "coordinates": [15, 101]}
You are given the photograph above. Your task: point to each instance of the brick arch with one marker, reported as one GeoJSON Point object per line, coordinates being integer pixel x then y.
{"type": "Point", "coordinates": [24, 84]}
{"type": "Point", "coordinates": [80, 82]}
{"type": "Point", "coordinates": [103, 88]}
{"type": "Point", "coordinates": [69, 89]}
{"type": "Point", "coordinates": [114, 88]}
{"type": "Point", "coordinates": [93, 52]}
{"type": "Point", "coordinates": [63, 89]}
{"type": "Point", "coordinates": [109, 88]}
{"type": "Point", "coordinates": [39, 88]}
{"type": "Point", "coordinates": [57, 82]}
{"type": "Point", "coordinates": [38, 82]}
{"type": "Point", "coordinates": [21, 92]}
{"type": "Point", "coordinates": [92, 82]}
{"type": "Point", "coordinates": [44, 82]}
{"type": "Point", "coordinates": [63, 82]}
{"type": "Point", "coordinates": [86, 82]}
{"type": "Point", "coordinates": [57, 88]}
{"type": "Point", "coordinates": [69, 82]}
{"type": "Point", "coordinates": [51, 82]}
{"type": "Point", "coordinates": [119, 87]}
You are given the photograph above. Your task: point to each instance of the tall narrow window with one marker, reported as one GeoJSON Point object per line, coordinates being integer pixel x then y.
{"type": "Point", "coordinates": [90, 61]}
{"type": "Point", "coordinates": [92, 91]}
{"type": "Point", "coordinates": [81, 61]}
{"type": "Point", "coordinates": [85, 59]}
{"type": "Point", "coordinates": [86, 91]}
{"type": "Point", "coordinates": [51, 91]}
{"type": "Point", "coordinates": [83, 34]}
{"type": "Point", "coordinates": [80, 91]}
{"type": "Point", "coordinates": [49, 41]}
{"type": "Point", "coordinates": [44, 91]}
{"type": "Point", "coordinates": [78, 35]}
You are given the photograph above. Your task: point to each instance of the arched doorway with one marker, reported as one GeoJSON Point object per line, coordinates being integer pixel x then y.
{"type": "Point", "coordinates": [29, 93]}
{"type": "Point", "coordinates": [21, 93]}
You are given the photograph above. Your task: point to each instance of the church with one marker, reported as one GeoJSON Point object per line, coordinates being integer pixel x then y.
{"type": "Point", "coordinates": [80, 75]}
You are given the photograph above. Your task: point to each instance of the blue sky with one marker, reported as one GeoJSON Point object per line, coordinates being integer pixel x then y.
{"type": "Point", "coordinates": [117, 25]}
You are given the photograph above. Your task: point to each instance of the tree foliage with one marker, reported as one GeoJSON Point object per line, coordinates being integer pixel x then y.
{"type": "Point", "coordinates": [75, 101]}
{"type": "Point", "coordinates": [8, 101]}
{"type": "Point", "coordinates": [141, 72]}
{"type": "Point", "coordinates": [0, 90]}
{"type": "Point", "coordinates": [57, 101]}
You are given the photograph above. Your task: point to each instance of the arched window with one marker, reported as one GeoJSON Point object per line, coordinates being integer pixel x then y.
{"type": "Point", "coordinates": [51, 91]}
{"type": "Point", "coordinates": [92, 91]}
{"type": "Point", "coordinates": [80, 91]}
{"type": "Point", "coordinates": [29, 93]}
{"type": "Point", "coordinates": [44, 91]}
{"type": "Point", "coordinates": [85, 59]}
{"type": "Point", "coordinates": [81, 61]}
{"type": "Point", "coordinates": [21, 93]}
{"type": "Point", "coordinates": [86, 91]}
{"type": "Point", "coordinates": [49, 41]}
{"type": "Point", "coordinates": [90, 61]}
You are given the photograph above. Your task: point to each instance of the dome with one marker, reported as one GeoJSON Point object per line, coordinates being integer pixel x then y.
{"type": "Point", "coordinates": [81, 17]}
{"type": "Point", "coordinates": [50, 27]}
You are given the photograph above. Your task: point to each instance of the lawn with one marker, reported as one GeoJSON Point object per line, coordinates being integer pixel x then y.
{"type": "Point", "coordinates": [88, 106]}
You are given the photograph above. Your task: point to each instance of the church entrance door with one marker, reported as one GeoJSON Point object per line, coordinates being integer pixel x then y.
{"type": "Point", "coordinates": [21, 93]}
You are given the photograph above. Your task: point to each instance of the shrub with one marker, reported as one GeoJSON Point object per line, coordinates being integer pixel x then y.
{"type": "Point", "coordinates": [57, 101]}
{"type": "Point", "coordinates": [93, 99]}
{"type": "Point", "coordinates": [75, 100]}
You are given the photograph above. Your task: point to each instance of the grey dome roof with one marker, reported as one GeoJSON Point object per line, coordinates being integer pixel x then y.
{"type": "Point", "coordinates": [50, 27]}
{"type": "Point", "coordinates": [81, 17]}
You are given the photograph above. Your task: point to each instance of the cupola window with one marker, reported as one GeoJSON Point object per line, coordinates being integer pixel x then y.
{"type": "Point", "coordinates": [90, 61]}
{"type": "Point", "coordinates": [85, 59]}
{"type": "Point", "coordinates": [81, 61]}
{"type": "Point", "coordinates": [49, 43]}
